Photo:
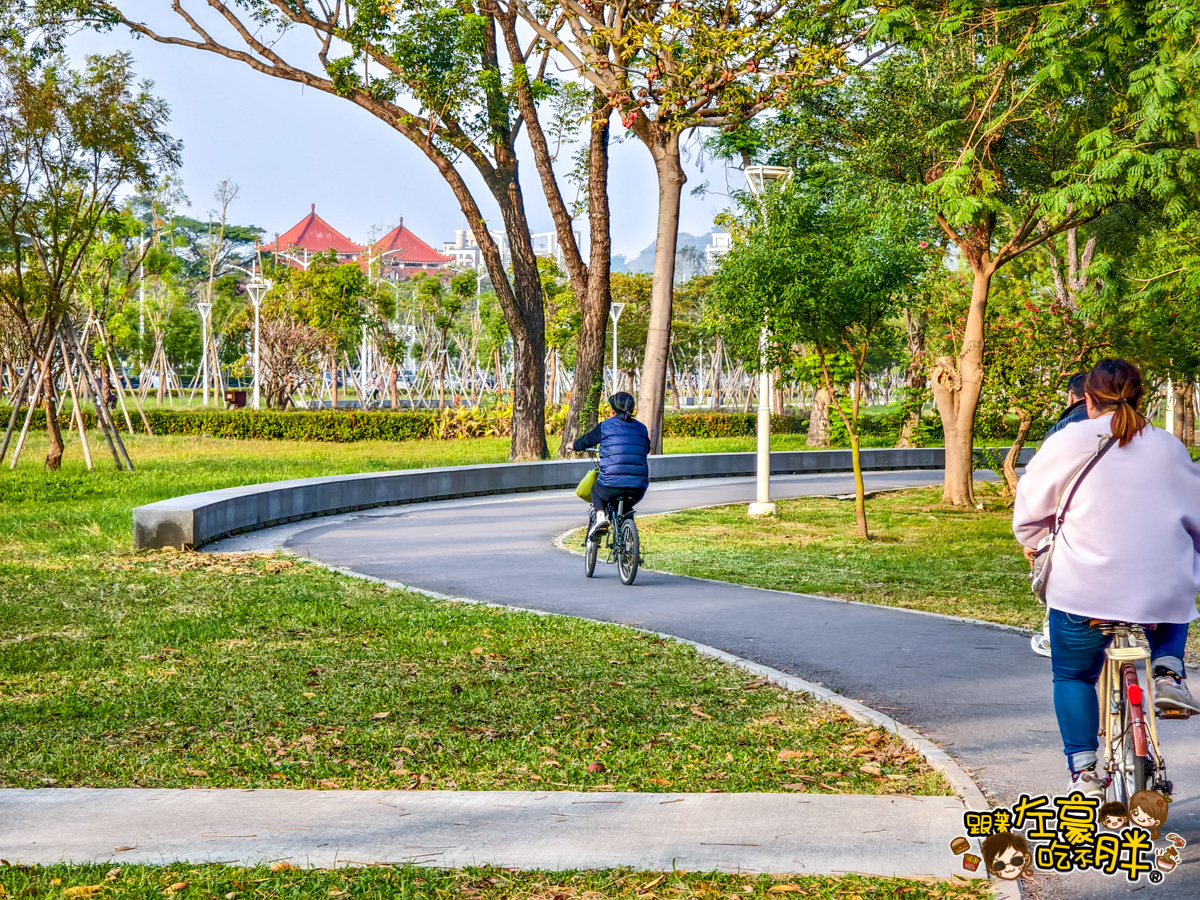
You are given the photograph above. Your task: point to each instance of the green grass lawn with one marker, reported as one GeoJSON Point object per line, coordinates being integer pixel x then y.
{"type": "Point", "coordinates": [169, 669]}
{"type": "Point", "coordinates": [922, 555]}
{"type": "Point", "coordinates": [103, 882]}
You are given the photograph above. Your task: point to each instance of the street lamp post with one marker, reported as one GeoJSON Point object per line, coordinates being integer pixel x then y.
{"type": "Point", "coordinates": [614, 313]}
{"type": "Point", "coordinates": [205, 308]}
{"type": "Point", "coordinates": [257, 290]}
{"type": "Point", "coordinates": [756, 179]}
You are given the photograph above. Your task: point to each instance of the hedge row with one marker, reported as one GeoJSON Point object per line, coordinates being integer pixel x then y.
{"type": "Point", "coordinates": [344, 426]}
{"type": "Point", "coordinates": [721, 424]}
{"type": "Point", "coordinates": [271, 425]}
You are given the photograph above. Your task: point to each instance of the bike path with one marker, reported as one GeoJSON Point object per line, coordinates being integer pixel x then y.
{"type": "Point", "coordinates": [975, 689]}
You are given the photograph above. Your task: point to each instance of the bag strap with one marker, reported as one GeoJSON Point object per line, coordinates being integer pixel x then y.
{"type": "Point", "coordinates": [1059, 516]}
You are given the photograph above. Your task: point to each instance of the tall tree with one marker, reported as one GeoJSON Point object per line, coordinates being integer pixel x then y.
{"type": "Point", "coordinates": [822, 267]}
{"type": "Point", "coordinates": [435, 72]}
{"type": "Point", "coordinates": [667, 68]}
{"type": "Point", "coordinates": [69, 142]}
{"type": "Point", "coordinates": [1019, 123]}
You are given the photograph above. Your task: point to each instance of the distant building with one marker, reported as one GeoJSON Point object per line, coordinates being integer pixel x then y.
{"type": "Point", "coordinates": [467, 255]}
{"type": "Point", "coordinates": [310, 237]}
{"type": "Point", "coordinates": [401, 254]}
{"type": "Point", "coordinates": [717, 248]}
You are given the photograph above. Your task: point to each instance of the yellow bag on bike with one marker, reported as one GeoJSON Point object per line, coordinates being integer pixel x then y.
{"type": "Point", "coordinates": [584, 491]}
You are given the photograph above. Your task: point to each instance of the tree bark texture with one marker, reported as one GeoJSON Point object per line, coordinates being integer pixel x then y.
{"type": "Point", "coordinates": [1013, 456]}
{"type": "Point", "coordinates": [596, 300]}
{"type": "Point", "coordinates": [818, 419]}
{"type": "Point", "coordinates": [1189, 413]}
{"type": "Point", "coordinates": [956, 389]}
{"type": "Point", "coordinates": [1179, 399]}
{"type": "Point", "coordinates": [54, 452]}
{"type": "Point", "coordinates": [664, 148]}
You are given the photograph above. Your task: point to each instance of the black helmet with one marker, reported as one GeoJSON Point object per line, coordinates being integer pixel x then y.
{"type": "Point", "coordinates": [622, 402]}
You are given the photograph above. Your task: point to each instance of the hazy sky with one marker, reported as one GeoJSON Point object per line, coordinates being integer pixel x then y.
{"type": "Point", "coordinates": [287, 146]}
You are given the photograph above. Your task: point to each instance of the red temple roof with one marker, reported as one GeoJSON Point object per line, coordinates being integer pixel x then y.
{"type": "Point", "coordinates": [400, 247]}
{"type": "Point", "coordinates": [314, 234]}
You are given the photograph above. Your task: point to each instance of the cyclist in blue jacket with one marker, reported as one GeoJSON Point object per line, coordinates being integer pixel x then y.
{"type": "Point", "coordinates": [624, 446]}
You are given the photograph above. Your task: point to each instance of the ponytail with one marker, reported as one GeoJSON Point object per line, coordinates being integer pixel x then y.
{"type": "Point", "coordinates": [1115, 385]}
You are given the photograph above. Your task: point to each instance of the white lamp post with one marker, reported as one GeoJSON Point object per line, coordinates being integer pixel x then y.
{"type": "Point", "coordinates": [205, 308]}
{"type": "Point", "coordinates": [257, 290]}
{"type": "Point", "coordinates": [614, 313]}
{"type": "Point", "coordinates": [756, 179]}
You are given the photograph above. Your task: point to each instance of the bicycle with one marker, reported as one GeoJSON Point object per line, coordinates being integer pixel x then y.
{"type": "Point", "coordinates": [1132, 757]}
{"type": "Point", "coordinates": [621, 540]}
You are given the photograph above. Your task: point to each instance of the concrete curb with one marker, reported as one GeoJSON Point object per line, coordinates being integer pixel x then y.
{"type": "Point", "coordinates": [196, 519]}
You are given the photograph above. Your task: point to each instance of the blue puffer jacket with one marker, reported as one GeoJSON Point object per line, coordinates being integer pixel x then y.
{"type": "Point", "coordinates": [624, 445]}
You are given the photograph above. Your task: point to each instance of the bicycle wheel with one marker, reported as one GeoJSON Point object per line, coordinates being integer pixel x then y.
{"type": "Point", "coordinates": [589, 558]}
{"type": "Point", "coordinates": [628, 554]}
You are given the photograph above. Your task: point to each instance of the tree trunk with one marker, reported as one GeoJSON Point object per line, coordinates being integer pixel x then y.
{"type": "Point", "coordinates": [716, 397]}
{"type": "Point", "coordinates": [1189, 413]}
{"type": "Point", "coordinates": [860, 489]}
{"type": "Point", "coordinates": [674, 383]}
{"type": "Point", "coordinates": [915, 381]}
{"type": "Point", "coordinates": [1179, 399]}
{"type": "Point", "coordinates": [393, 388]}
{"type": "Point", "coordinates": [54, 452]}
{"type": "Point", "coordinates": [1012, 458]}
{"type": "Point", "coordinates": [333, 383]}
{"type": "Point", "coordinates": [664, 148]}
{"type": "Point", "coordinates": [956, 389]}
{"type": "Point", "coordinates": [818, 419]}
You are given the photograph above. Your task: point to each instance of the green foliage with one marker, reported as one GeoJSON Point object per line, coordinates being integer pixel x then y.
{"type": "Point", "coordinates": [722, 424]}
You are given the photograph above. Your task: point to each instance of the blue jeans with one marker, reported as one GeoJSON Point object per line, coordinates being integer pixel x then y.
{"type": "Point", "coordinates": [1076, 658]}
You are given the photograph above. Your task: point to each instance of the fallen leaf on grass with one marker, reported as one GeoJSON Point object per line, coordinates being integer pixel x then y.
{"type": "Point", "coordinates": [381, 715]}
{"type": "Point", "coordinates": [661, 781]}
{"type": "Point", "coordinates": [195, 773]}
{"type": "Point", "coordinates": [646, 887]}
{"type": "Point", "coordinates": [177, 887]}
{"type": "Point", "coordinates": [785, 889]}
{"type": "Point", "coordinates": [284, 866]}
{"type": "Point", "coordinates": [789, 754]}
{"type": "Point", "coordinates": [697, 711]}
{"type": "Point", "coordinates": [870, 769]}
{"type": "Point", "coordinates": [83, 890]}
{"type": "Point", "coordinates": [795, 787]}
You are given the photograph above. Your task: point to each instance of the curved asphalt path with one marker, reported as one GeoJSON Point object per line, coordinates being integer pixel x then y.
{"type": "Point", "coordinates": [975, 689]}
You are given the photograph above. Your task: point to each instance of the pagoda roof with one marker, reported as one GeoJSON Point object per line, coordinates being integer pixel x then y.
{"type": "Point", "coordinates": [405, 248]}
{"type": "Point", "coordinates": [314, 234]}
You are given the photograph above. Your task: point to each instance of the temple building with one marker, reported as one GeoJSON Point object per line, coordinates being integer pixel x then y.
{"type": "Point", "coordinates": [397, 255]}
{"type": "Point", "coordinates": [401, 254]}
{"type": "Point", "coordinates": [309, 237]}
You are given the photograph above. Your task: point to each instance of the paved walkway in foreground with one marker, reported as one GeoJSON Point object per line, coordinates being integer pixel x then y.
{"type": "Point", "coordinates": [777, 833]}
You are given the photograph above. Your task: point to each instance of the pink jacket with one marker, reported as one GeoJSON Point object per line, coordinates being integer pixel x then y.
{"type": "Point", "coordinates": [1129, 548]}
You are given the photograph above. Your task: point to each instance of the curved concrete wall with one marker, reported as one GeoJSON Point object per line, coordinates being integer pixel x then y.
{"type": "Point", "coordinates": [195, 519]}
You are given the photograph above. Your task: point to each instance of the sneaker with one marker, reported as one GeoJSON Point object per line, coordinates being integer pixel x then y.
{"type": "Point", "coordinates": [599, 526]}
{"type": "Point", "coordinates": [1088, 782]}
{"type": "Point", "coordinates": [1040, 643]}
{"type": "Point", "coordinates": [1171, 692]}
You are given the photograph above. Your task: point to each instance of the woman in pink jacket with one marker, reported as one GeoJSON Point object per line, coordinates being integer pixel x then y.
{"type": "Point", "coordinates": [1128, 551]}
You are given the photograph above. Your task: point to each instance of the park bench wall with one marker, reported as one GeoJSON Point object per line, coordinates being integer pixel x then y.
{"type": "Point", "coordinates": [196, 519]}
